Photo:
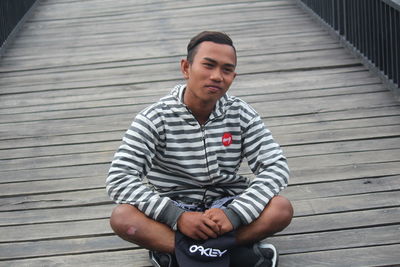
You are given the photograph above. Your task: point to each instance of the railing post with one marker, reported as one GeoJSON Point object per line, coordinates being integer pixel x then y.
{"type": "Point", "coordinates": [370, 29]}
{"type": "Point", "coordinates": [13, 13]}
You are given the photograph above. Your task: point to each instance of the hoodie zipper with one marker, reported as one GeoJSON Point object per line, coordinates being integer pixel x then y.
{"type": "Point", "coordinates": [203, 137]}
{"type": "Point", "coordinates": [205, 150]}
{"type": "Point", "coordinates": [203, 203]}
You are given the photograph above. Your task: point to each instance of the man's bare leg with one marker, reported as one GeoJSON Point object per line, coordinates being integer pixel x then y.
{"type": "Point", "coordinates": [134, 226]}
{"type": "Point", "coordinates": [276, 216]}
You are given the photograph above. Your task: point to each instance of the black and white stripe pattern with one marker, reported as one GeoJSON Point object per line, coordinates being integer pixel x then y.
{"type": "Point", "coordinates": [182, 159]}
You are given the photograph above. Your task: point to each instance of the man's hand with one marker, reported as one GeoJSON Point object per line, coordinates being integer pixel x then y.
{"type": "Point", "coordinates": [197, 226]}
{"type": "Point", "coordinates": [219, 217]}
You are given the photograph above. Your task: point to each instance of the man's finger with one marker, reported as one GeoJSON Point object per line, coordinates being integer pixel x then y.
{"type": "Point", "coordinates": [208, 231]}
{"type": "Point", "coordinates": [213, 226]}
{"type": "Point", "coordinates": [200, 235]}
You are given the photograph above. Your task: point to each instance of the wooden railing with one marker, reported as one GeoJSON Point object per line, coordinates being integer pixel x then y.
{"type": "Point", "coordinates": [369, 28]}
{"type": "Point", "coordinates": [12, 15]}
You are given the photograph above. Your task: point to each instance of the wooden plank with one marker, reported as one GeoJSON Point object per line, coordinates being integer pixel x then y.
{"type": "Point", "coordinates": [57, 161]}
{"type": "Point", "coordinates": [165, 72]}
{"type": "Point", "coordinates": [343, 187]}
{"type": "Point", "coordinates": [344, 158]}
{"type": "Point", "coordinates": [120, 58]}
{"type": "Point", "coordinates": [274, 82]}
{"type": "Point", "coordinates": [77, 133]}
{"type": "Point", "coordinates": [367, 256]}
{"type": "Point", "coordinates": [99, 170]}
{"type": "Point", "coordinates": [342, 173]}
{"type": "Point", "coordinates": [122, 52]}
{"type": "Point", "coordinates": [52, 215]}
{"type": "Point", "coordinates": [82, 135]}
{"type": "Point", "coordinates": [324, 104]}
{"type": "Point", "coordinates": [299, 169]}
{"type": "Point", "coordinates": [305, 207]}
{"type": "Point", "coordinates": [69, 149]}
{"type": "Point", "coordinates": [286, 245]}
{"type": "Point", "coordinates": [290, 151]}
{"type": "Point", "coordinates": [300, 225]}
{"type": "Point", "coordinates": [285, 21]}
{"type": "Point", "coordinates": [70, 86]}
{"type": "Point", "coordinates": [334, 240]}
{"type": "Point", "coordinates": [134, 14]}
{"type": "Point", "coordinates": [37, 192]}
{"type": "Point", "coordinates": [57, 200]}
{"type": "Point", "coordinates": [93, 108]}
{"type": "Point", "coordinates": [126, 21]}
{"type": "Point", "coordinates": [313, 174]}
{"type": "Point", "coordinates": [102, 259]}
{"type": "Point", "coordinates": [297, 163]}
{"type": "Point", "coordinates": [37, 128]}
{"type": "Point", "coordinates": [347, 257]}
{"type": "Point", "coordinates": [288, 26]}
{"type": "Point", "coordinates": [342, 203]}
{"type": "Point", "coordinates": [339, 115]}
{"type": "Point", "coordinates": [52, 186]}
{"type": "Point", "coordinates": [343, 221]}
{"type": "Point", "coordinates": [121, 123]}
{"type": "Point", "coordinates": [279, 87]}
{"type": "Point", "coordinates": [282, 26]}
{"type": "Point", "coordinates": [46, 248]}
{"type": "Point", "coordinates": [119, 98]}
{"type": "Point", "coordinates": [340, 147]}
{"type": "Point", "coordinates": [350, 171]}
{"type": "Point", "coordinates": [73, 229]}
{"type": "Point", "coordinates": [77, 136]}
{"type": "Point", "coordinates": [339, 135]}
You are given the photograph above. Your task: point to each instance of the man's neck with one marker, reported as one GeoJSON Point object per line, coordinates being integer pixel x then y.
{"type": "Point", "coordinates": [201, 113]}
{"type": "Point", "coordinates": [201, 110]}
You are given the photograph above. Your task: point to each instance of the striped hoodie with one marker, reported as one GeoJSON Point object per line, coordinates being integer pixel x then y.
{"type": "Point", "coordinates": [167, 155]}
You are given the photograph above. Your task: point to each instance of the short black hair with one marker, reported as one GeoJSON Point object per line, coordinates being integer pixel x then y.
{"type": "Point", "coordinates": [211, 36]}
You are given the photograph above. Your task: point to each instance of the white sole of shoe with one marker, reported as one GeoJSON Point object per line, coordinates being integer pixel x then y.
{"type": "Point", "coordinates": [154, 261]}
{"type": "Point", "coordinates": [272, 247]}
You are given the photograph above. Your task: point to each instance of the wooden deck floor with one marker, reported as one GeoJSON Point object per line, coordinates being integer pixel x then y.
{"type": "Point", "coordinates": [80, 70]}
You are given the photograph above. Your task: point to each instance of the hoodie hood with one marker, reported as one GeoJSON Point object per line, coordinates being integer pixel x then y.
{"type": "Point", "coordinates": [175, 102]}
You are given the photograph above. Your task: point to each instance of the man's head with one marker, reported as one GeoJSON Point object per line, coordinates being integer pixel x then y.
{"type": "Point", "coordinates": [211, 36]}
{"type": "Point", "coordinates": [209, 68]}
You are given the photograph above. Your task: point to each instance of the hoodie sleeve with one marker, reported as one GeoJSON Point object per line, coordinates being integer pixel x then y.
{"type": "Point", "coordinates": [133, 160]}
{"type": "Point", "coordinates": [271, 171]}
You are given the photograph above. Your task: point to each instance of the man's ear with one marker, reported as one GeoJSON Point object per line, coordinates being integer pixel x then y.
{"type": "Point", "coordinates": [185, 68]}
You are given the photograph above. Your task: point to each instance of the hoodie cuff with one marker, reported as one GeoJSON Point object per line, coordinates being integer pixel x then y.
{"type": "Point", "coordinates": [233, 217]}
{"type": "Point", "coordinates": [170, 214]}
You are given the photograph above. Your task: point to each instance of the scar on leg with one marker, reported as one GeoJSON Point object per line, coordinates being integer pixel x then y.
{"type": "Point", "coordinates": [131, 230]}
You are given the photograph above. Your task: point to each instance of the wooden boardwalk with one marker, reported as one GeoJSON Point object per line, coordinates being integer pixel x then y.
{"type": "Point", "coordinates": [79, 71]}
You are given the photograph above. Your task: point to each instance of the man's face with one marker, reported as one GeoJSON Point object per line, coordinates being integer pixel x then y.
{"type": "Point", "coordinates": [210, 74]}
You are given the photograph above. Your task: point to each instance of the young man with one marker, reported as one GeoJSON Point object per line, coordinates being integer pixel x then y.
{"type": "Point", "coordinates": [189, 146]}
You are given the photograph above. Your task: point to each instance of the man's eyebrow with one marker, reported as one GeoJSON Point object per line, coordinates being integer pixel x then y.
{"type": "Point", "coordinates": [216, 62]}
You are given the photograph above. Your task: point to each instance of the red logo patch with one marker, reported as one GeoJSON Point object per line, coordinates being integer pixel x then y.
{"type": "Point", "coordinates": [227, 139]}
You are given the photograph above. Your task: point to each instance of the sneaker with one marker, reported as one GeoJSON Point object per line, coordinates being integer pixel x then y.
{"type": "Point", "coordinates": [267, 253]}
{"type": "Point", "coordinates": [256, 255]}
{"type": "Point", "coordinates": [159, 259]}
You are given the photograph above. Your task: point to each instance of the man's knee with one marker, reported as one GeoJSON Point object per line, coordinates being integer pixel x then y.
{"type": "Point", "coordinates": [283, 210]}
{"type": "Point", "coordinates": [123, 220]}
{"type": "Point", "coordinates": [276, 216]}
{"type": "Point", "coordinates": [134, 226]}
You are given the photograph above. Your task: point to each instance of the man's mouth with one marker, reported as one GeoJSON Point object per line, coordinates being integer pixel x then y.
{"type": "Point", "coordinates": [213, 87]}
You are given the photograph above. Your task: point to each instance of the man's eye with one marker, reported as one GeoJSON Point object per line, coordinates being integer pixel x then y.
{"type": "Point", "coordinates": [228, 70]}
{"type": "Point", "coordinates": [208, 65]}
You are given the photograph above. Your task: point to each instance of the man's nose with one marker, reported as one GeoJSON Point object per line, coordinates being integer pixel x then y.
{"type": "Point", "coordinates": [216, 75]}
